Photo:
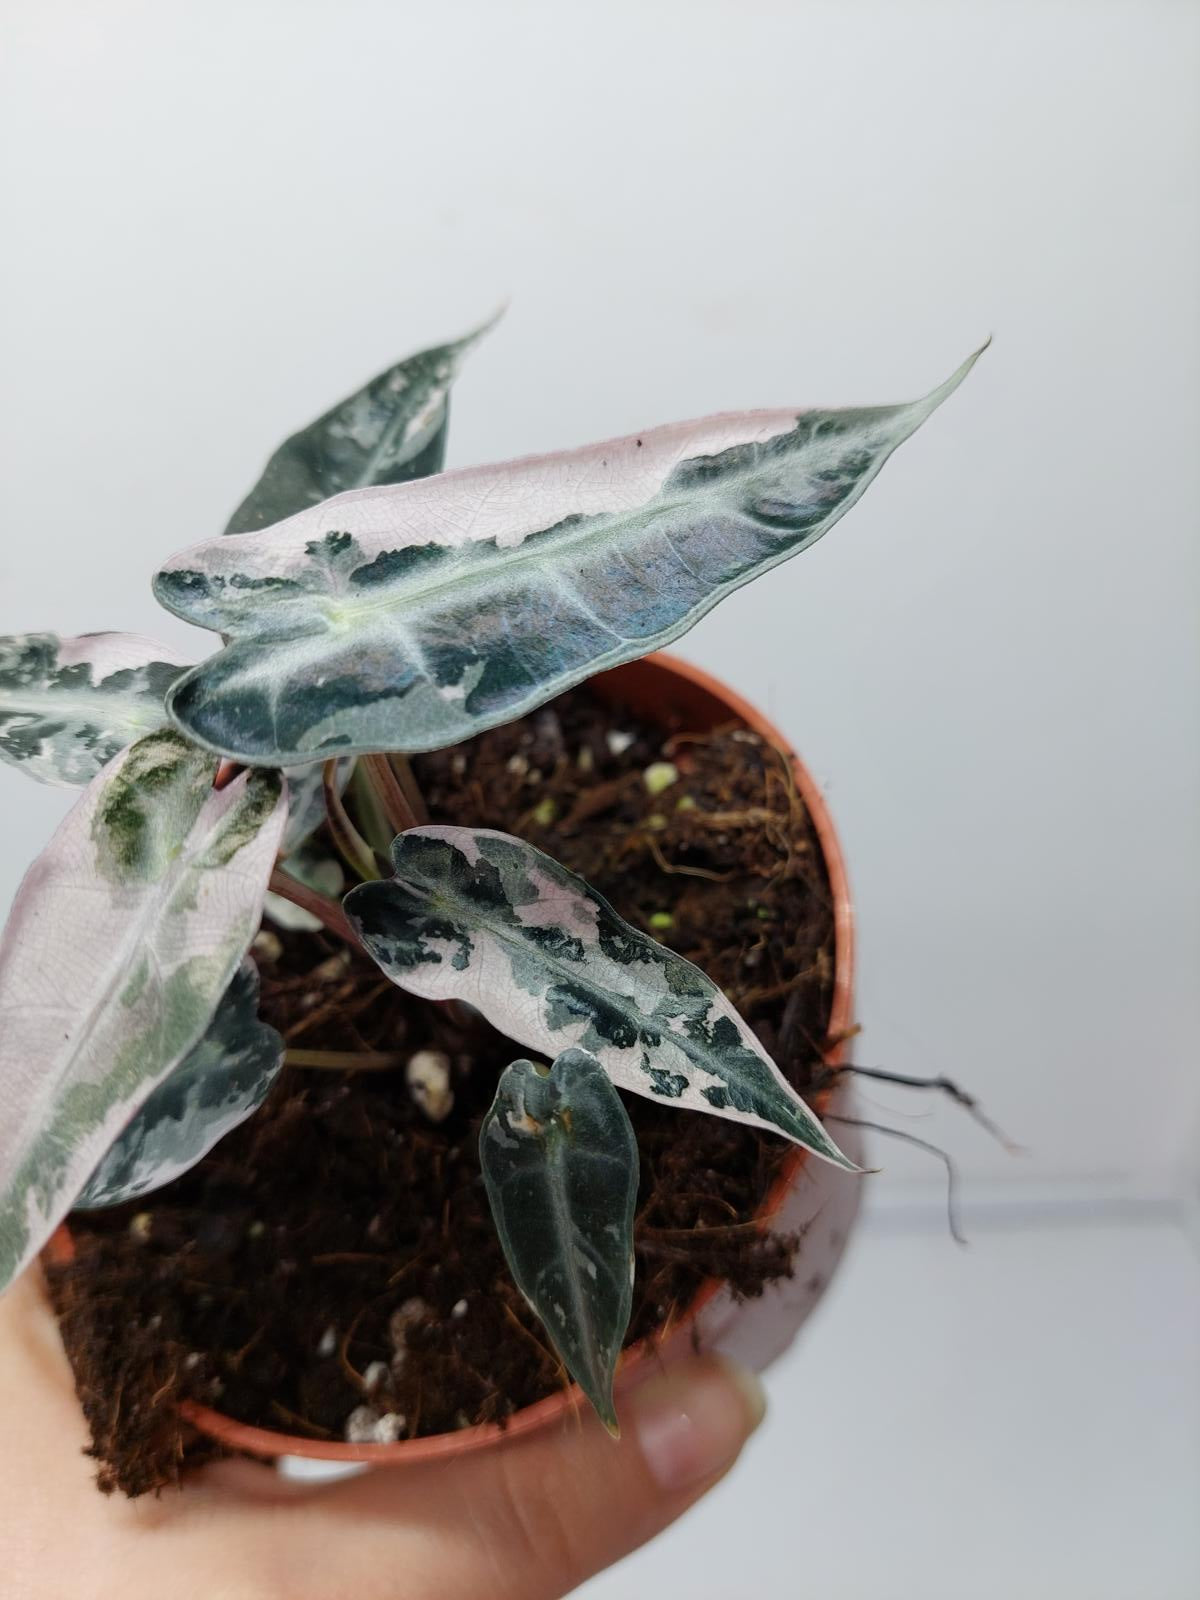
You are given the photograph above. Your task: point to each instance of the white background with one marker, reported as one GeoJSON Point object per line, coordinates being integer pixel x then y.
{"type": "Point", "coordinates": [218, 218]}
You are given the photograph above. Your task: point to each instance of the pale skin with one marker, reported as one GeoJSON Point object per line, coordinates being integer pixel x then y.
{"type": "Point", "coordinates": [527, 1521]}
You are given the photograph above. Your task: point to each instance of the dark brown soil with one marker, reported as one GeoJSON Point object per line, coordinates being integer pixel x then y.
{"type": "Point", "coordinates": [280, 1277]}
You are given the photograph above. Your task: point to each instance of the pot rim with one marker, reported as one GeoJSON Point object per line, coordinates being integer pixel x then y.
{"type": "Point", "coordinates": [569, 1401]}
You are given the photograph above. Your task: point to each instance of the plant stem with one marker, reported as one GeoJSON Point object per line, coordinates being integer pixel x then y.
{"type": "Point", "coordinates": [226, 773]}
{"type": "Point", "coordinates": [368, 813]}
{"type": "Point", "coordinates": [406, 778]}
{"type": "Point", "coordinates": [345, 1060]}
{"type": "Point", "coordinates": [326, 911]}
{"type": "Point", "coordinates": [351, 846]}
{"type": "Point", "coordinates": [389, 791]}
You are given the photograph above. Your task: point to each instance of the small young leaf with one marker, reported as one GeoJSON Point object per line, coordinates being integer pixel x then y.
{"type": "Point", "coordinates": [560, 1163]}
{"type": "Point", "coordinates": [123, 937]}
{"type": "Point", "coordinates": [479, 916]}
{"type": "Point", "coordinates": [67, 706]}
{"type": "Point", "coordinates": [412, 617]}
{"type": "Point", "coordinates": [215, 1087]}
{"type": "Point", "coordinates": [390, 430]}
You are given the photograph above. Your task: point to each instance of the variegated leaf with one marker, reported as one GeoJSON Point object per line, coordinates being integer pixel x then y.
{"type": "Point", "coordinates": [216, 1086]}
{"type": "Point", "coordinates": [306, 800]}
{"type": "Point", "coordinates": [390, 430]}
{"type": "Point", "coordinates": [479, 916]}
{"type": "Point", "coordinates": [67, 706]}
{"type": "Point", "coordinates": [411, 617]}
{"type": "Point", "coordinates": [123, 937]}
{"type": "Point", "coordinates": [560, 1162]}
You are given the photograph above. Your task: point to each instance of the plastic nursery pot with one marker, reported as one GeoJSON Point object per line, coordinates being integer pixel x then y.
{"type": "Point", "coordinates": [808, 1195]}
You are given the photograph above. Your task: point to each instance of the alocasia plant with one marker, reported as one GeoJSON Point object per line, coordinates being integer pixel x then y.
{"type": "Point", "coordinates": [372, 605]}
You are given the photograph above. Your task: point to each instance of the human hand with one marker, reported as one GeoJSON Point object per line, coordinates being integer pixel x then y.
{"type": "Point", "coordinates": [527, 1520]}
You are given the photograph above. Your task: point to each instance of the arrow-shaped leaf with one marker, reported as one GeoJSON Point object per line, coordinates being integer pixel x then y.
{"type": "Point", "coordinates": [412, 617]}
{"type": "Point", "coordinates": [215, 1087]}
{"type": "Point", "coordinates": [67, 706]}
{"type": "Point", "coordinates": [390, 430]}
{"type": "Point", "coordinates": [560, 1162]}
{"type": "Point", "coordinates": [123, 937]}
{"type": "Point", "coordinates": [478, 916]}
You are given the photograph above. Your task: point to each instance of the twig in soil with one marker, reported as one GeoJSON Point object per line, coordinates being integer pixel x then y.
{"type": "Point", "coordinates": [752, 1225]}
{"type": "Point", "coordinates": [238, 1356]}
{"type": "Point", "coordinates": [533, 1339]}
{"type": "Point", "coordinates": [282, 1412]}
{"type": "Point", "coordinates": [690, 872]}
{"type": "Point", "coordinates": [345, 1060]}
{"type": "Point", "coordinates": [327, 912]}
{"type": "Point", "coordinates": [320, 1013]}
{"type": "Point", "coordinates": [776, 991]}
{"type": "Point", "coordinates": [349, 843]}
{"type": "Point", "coordinates": [341, 1258]}
{"type": "Point", "coordinates": [400, 1275]}
{"type": "Point", "coordinates": [697, 1199]}
{"type": "Point", "coordinates": [948, 1087]}
{"type": "Point", "coordinates": [600, 797]}
{"type": "Point", "coordinates": [956, 1232]}
{"type": "Point", "coordinates": [751, 817]}
{"type": "Point", "coordinates": [344, 1361]}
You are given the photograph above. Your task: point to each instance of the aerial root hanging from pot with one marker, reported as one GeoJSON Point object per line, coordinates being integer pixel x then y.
{"type": "Point", "coordinates": [954, 1092]}
{"type": "Point", "coordinates": [952, 1223]}
{"type": "Point", "coordinates": [946, 1086]}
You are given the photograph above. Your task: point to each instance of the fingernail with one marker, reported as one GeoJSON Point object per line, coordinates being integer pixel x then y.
{"type": "Point", "coordinates": [692, 1421]}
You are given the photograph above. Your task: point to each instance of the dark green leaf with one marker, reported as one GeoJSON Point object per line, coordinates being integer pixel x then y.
{"type": "Point", "coordinates": [560, 1162]}
{"type": "Point", "coordinates": [390, 430]}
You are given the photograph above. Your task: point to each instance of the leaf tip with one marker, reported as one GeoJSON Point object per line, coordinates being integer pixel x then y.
{"type": "Point", "coordinates": [944, 390]}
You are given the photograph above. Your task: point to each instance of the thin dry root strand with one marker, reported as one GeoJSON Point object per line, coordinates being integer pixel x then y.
{"type": "Point", "coordinates": [948, 1087]}
{"type": "Point", "coordinates": [956, 1232]}
{"type": "Point", "coordinates": [345, 1060]}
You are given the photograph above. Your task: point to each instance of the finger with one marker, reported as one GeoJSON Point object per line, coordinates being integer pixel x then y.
{"type": "Point", "coordinates": [532, 1519]}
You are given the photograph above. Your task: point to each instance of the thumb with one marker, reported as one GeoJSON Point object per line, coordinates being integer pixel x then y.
{"type": "Point", "coordinates": [532, 1519]}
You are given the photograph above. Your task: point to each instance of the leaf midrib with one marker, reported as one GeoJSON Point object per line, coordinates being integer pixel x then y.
{"type": "Point", "coordinates": [482, 562]}
{"type": "Point", "coordinates": [90, 708]}
{"type": "Point", "coordinates": [565, 1231]}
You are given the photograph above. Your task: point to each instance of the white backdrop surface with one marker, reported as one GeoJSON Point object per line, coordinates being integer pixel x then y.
{"type": "Point", "coordinates": [219, 218]}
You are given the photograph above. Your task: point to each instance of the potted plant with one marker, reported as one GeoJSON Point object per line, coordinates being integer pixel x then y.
{"type": "Point", "coordinates": [319, 1199]}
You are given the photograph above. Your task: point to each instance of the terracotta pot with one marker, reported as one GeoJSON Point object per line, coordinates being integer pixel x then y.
{"type": "Point", "coordinates": [808, 1195]}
